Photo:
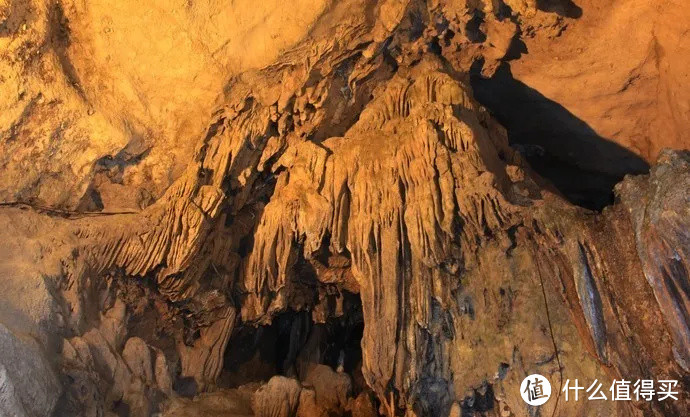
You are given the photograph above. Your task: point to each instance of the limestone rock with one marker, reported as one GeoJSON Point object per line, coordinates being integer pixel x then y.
{"type": "Point", "coordinates": [332, 389]}
{"type": "Point", "coordinates": [29, 387]}
{"type": "Point", "coordinates": [362, 406]}
{"type": "Point", "coordinates": [328, 162]}
{"type": "Point", "coordinates": [222, 403]}
{"type": "Point", "coordinates": [137, 356]}
{"type": "Point", "coordinates": [308, 405]}
{"type": "Point", "coordinates": [279, 397]}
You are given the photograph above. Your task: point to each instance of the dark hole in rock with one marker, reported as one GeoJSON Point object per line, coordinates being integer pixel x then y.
{"type": "Point", "coordinates": [447, 37]}
{"type": "Point", "coordinates": [185, 387]}
{"type": "Point", "coordinates": [503, 370]}
{"type": "Point", "coordinates": [434, 47]}
{"type": "Point", "coordinates": [479, 401]}
{"type": "Point", "coordinates": [473, 29]}
{"type": "Point", "coordinates": [565, 8]}
{"type": "Point", "coordinates": [292, 343]}
{"type": "Point", "coordinates": [121, 409]}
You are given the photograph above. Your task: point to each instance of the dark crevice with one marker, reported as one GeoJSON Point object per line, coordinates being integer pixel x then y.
{"type": "Point", "coordinates": [479, 401]}
{"type": "Point", "coordinates": [564, 8]}
{"type": "Point", "coordinates": [473, 28]}
{"type": "Point", "coordinates": [59, 36]}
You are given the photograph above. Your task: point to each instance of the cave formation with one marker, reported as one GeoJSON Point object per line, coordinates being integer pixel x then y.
{"type": "Point", "coordinates": [341, 208]}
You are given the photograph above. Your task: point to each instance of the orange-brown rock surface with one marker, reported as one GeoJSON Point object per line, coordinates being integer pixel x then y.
{"type": "Point", "coordinates": [241, 208]}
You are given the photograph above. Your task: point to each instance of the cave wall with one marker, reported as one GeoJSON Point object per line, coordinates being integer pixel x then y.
{"type": "Point", "coordinates": [348, 155]}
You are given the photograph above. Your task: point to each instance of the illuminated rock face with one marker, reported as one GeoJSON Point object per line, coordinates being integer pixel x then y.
{"type": "Point", "coordinates": [347, 179]}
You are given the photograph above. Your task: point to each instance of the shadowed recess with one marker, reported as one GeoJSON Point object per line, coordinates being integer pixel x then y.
{"type": "Point", "coordinates": [559, 146]}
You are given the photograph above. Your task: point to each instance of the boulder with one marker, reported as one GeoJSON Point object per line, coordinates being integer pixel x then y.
{"type": "Point", "coordinates": [29, 386]}
{"type": "Point", "coordinates": [277, 398]}
{"type": "Point", "coordinates": [332, 388]}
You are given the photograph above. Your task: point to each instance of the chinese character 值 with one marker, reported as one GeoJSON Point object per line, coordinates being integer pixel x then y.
{"type": "Point", "coordinates": [620, 390]}
{"type": "Point", "coordinates": [535, 392]}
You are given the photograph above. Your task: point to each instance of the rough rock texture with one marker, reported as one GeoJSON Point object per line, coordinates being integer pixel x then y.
{"type": "Point", "coordinates": [228, 403]}
{"type": "Point", "coordinates": [278, 398]}
{"type": "Point", "coordinates": [613, 101]}
{"type": "Point", "coordinates": [112, 97]}
{"type": "Point", "coordinates": [162, 196]}
{"type": "Point", "coordinates": [331, 389]}
{"type": "Point", "coordinates": [29, 386]}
